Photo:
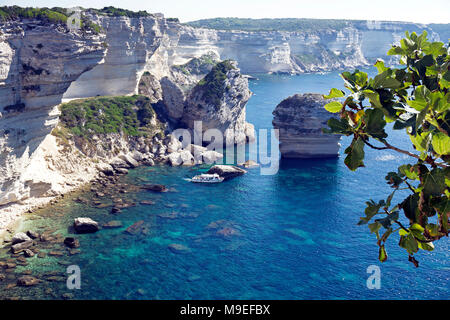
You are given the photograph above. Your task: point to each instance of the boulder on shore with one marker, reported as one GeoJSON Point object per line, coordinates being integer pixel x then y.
{"type": "Point", "coordinates": [85, 225]}
{"type": "Point", "coordinates": [20, 237]}
{"type": "Point", "coordinates": [21, 246]}
{"type": "Point", "coordinates": [226, 171]}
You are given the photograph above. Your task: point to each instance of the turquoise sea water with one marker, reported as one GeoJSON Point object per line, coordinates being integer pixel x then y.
{"type": "Point", "coordinates": [295, 233]}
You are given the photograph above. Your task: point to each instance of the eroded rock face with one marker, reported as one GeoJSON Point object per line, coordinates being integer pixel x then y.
{"type": "Point", "coordinates": [131, 42]}
{"type": "Point", "coordinates": [38, 62]}
{"type": "Point", "coordinates": [220, 104]}
{"type": "Point", "coordinates": [300, 120]}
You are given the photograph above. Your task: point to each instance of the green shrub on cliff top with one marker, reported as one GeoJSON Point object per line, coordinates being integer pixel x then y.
{"type": "Point", "coordinates": [101, 115]}
{"type": "Point", "coordinates": [283, 24]}
{"type": "Point", "coordinates": [53, 15]}
{"type": "Point", "coordinates": [212, 85]}
{"type": "Point", "coordinates": [118, 12]}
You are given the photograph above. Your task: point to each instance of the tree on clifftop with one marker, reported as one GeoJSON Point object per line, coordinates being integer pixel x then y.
{"type": "Point", "coordinates": [415, 98]}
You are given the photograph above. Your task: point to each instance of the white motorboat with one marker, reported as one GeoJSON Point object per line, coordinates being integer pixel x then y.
{"type": "Point", "coordinates": [207, 178]}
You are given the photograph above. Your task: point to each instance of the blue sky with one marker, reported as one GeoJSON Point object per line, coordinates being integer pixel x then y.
{"type": "Point", "coordinates": [424, 11]}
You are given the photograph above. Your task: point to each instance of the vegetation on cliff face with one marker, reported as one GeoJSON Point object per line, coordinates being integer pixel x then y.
{"type": "Point", "coordinates": [284, 24]}
{"type": "Point", "coordinates": [212, 85]}
{"type": "Point", "coordinates": [54, 15]}
{"type": "Point", "coordinates": [132, 115]}
{"type": "Point", "coordinates": [118, 12]}
{"type": "Point", "coordinates": [415, 98]}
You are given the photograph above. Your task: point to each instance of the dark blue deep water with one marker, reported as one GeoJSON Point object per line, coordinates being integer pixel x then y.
{"type": "Point", "coordinates": [295, 232]}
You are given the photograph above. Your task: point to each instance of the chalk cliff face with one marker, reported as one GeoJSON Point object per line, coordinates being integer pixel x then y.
{"type": "Point", "coordinates": [300, 120]}
{"type": "Point", "coordinates": [38, 62]}
{"type": "Point", "coordinates": [131, 43]}
{"type": "Point", "coordinates": [220, 104]}
{"type": "Point", "coordinates": [357, 44]}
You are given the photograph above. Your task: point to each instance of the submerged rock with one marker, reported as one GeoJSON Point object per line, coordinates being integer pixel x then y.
{"type": "Point", "coordinates": [178, 248]}
{"type": "Point", "coordinates": [147, 202]}
{"type": "Point", "coordinates": [113, 224]}
{"type": "Point", "coordinates": [28, 253]}
{"type": "Point", "coordinates": [227, 171]}
{"type": "Point", "coordinates": [138, 227]}
{"type": "Point", "coordinates": [155, 187]}
{"type": "Point", "coordinates": [300, 119]}
{"type": "Point", "coordinates": [71, 242]}
{"type": "Point", "coordinates": [85, 225]}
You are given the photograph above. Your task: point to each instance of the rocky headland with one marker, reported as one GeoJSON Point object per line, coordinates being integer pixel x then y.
{"type": "Point", "coordinates": [300, 119]}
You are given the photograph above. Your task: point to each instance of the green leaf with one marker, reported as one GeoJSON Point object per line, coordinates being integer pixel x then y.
{"type": "Point", "coordinates": [333, 107]}
{"type": "Point", "coordinates": [441, 143]}
{"type": "Point", "coordinates": [410, 206]}
{"type": "Point", "coordinates": [394, 179]}
{"type": "Point", "coordinates": [384, 80]}
{"type": "Point", "coordinates": [433, 229]}
{"type": "Point", "coordinates": [375, 123]}
{"type": "Point", "coordinates": [374, 227]}
{"type": "Point", "coordinates": [380, 66]}
{"type": "Point", "coordinates": [409, 171]}
{"type": "Point", "coordinates": [409, 243]}
{"type": "Point", "coordinates": [355, 154]}
{"type": "Point", "coordinates": [338, 126]}
{"type": "Point", "coordinates": [428, 246]}
{"type": "Point", "coordinates": [421, 141]}
{"type": "Point", "coordinates": [417, 227]}
{"type": "Point", "coordinates": [370, 211]}
{"type": "Point", "coordinates": [374, 98]}
{"type": "Point", "coordinates": [395, 51]}
{"type": "Point", "coordinates": [433, 182]}
{"type": "Point", "coordinates": [445, 81]}
{"type": "Point", "coordinates": [334, 93]}
{"type": "Point", "coordinates": [382, 255]}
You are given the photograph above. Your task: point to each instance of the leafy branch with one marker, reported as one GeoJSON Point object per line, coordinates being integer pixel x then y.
{"type": "Point", "coordinates": [414, 98]}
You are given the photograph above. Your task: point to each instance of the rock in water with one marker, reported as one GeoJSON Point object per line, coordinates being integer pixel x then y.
{"type": "Point", "coordinates": [20, 237]}
{"type": "Point", "coordinates": [227, 172]}
{"type": "Point", "coordinates": [300, 119]}
{"type": "Point", "coordinates": [178, 248]}
{"type": "Point", "coordinates": [21, 246]}
{"type": "Point", "coordinates": [113, 224]}
{"type": "Point", "coordinates": [27, 281]}
{"type": "Point", "coordinates": [85, 225]}
{"type": "Point", "coordinates": [71, 242]}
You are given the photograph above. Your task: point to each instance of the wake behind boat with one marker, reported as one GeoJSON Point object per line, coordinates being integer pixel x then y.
{"type": "Point", "coordinates": [206, 178]}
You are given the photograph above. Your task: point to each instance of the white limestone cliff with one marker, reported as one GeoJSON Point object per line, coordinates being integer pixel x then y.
{"type": "Point", "coordinates": [300, 120]}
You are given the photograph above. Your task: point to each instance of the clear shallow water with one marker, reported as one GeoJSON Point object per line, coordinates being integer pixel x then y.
{"type": "Point", "coordinates": [296, 233]}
